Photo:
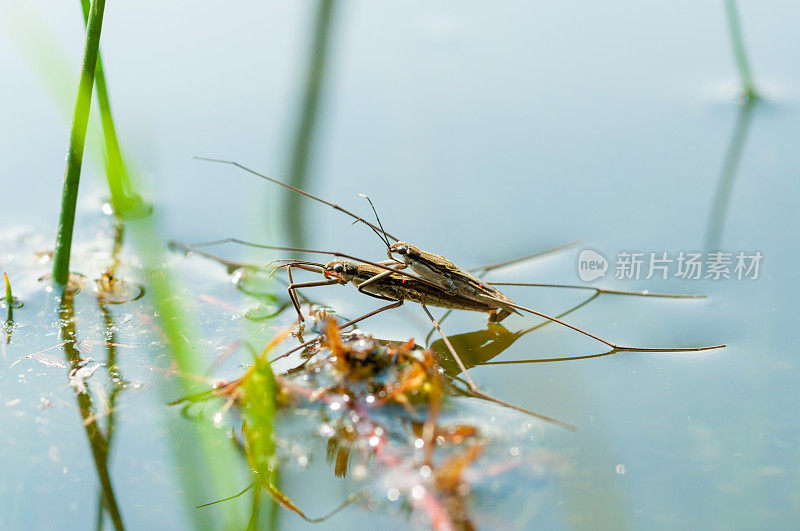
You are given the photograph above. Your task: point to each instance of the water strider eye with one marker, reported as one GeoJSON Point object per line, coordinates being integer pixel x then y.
{"type": "Point", "coordinates": [338, 268]}
{"type": "Point", "coordinates": [402, 249]}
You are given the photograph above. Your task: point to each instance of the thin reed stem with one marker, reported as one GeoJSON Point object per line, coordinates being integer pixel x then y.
{"type": "Point", "coordinates": [745, 73]}
{"type": "Point", "coordinates": [77, 141]}
{"type": "Point", "coordinates": [121, 196]}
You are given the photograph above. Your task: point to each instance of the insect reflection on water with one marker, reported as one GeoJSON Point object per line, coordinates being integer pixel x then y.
{"type": "Point", "coordinates": [382, 406]}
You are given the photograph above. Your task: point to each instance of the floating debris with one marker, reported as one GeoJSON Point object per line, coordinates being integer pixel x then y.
{"type": "Point", "coordinates": [112, 290]}
{"type": "Point", "coordinates": [379, 407]}
{"type": "Point", "coordinates": [81, 373]}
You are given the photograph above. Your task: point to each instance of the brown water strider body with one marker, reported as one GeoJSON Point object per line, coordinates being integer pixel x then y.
{"type": "Point", "coordinates": [454, 280]}
{"type": "Point", "coordinates": [394, 286]}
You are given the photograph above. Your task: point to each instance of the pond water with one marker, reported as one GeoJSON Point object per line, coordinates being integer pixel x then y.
{"type": "Point", "coordinates": [480, 132]}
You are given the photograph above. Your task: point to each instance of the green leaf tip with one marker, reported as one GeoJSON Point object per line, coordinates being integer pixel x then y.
{"type": "Point", "coordinates": [9, 296]}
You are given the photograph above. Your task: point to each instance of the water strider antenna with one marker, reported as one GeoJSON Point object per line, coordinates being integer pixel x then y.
{"type": "Point", "coordinates": [297, 190]}
{"type": "Point", "coordinates": [382, 233]}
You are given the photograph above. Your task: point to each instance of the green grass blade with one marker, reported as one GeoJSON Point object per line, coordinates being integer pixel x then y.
{"type": "Point", "coordinates": [9, 295]}
{"type": "Point", "coordinates": [742, 63]}
{"type": "Point", "coordinates": [123, 200]}
{"type": "Point", "coordinates": [77, 141]}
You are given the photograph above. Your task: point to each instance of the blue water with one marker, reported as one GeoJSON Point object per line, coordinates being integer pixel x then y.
{"type": "Point", "coordinates": [481, 132]}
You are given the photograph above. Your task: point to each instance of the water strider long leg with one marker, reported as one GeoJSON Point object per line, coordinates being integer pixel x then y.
{"type": "Point", "coordinates": [600, 339]}
{"type": "Point", "coordinates": [538, 254]}
{"type": "Point", "coordinates": [484, 269]}
{"type": "Point", "coordinates": [230, 265]}
{"type": "Point", "coordinates": [597, 290]}
{"type": "Point", "coordinates": [452, 350]}
{"type": "Point", "coordinates": [292, 294]}
{"type": "Point", "coordinates": [312, 284]}
{"type": "Point", "coordinates": [475, 390]}
{"type": "Point", "coordinates": [484, 396]}
{"type": "Point", "coordinates": [552, 360]}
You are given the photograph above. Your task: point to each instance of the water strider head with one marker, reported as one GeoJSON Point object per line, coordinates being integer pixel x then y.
{"type": "Point", "coordinates": [342, 270]}
{"type": "Point", "coordinates": [408, 253]}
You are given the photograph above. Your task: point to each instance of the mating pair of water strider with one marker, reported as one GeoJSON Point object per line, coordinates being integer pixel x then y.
{"type": "Point", "coordinates": [434, 281]}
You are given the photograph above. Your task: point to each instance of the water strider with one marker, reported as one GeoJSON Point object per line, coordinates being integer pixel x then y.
{"type": "Point", "coordinates": [439, 270]}
{"type": "Point", "coordinates": [387, 283]}
{"type": "Point", "coordinates": [454, 280]}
